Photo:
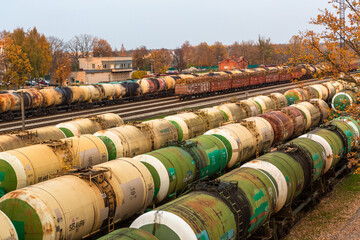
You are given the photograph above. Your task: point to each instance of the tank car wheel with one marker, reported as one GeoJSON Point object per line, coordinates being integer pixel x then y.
{"type": "Point", "coordinates": [7, 116]}
{"type": "Point", "coordinates": [51, 111]}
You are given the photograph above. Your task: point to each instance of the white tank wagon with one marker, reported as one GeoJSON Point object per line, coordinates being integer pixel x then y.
{"type": "Point", "coordinates": [90, 125]}
{"type": "Point", "coordinates": [133, 139]}
{"type": "Point", "coordinates": [30, 165]}
{"type": "Point", "coordinates": [73, 206]}
{"type": "Point", "coordinates": [7, 229]}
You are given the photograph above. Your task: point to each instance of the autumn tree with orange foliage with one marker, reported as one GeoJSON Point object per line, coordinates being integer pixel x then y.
{"type": "Point", "coordinates": [310, 47]}
{"type": "Point", "coordinates": [61, 62]}
{"type": "Point", "coordinates": [219, 52]}
{"type": "Point", "coordinates": [203, 55]}
{"type": "Point", "coordinates": [140, 60]}
{"type": "Point", "coordinates": [123, 52]}
{"type": "Point", "coordinates": [160, 60]}
{"type": "Point", "coordinates": [101, 48]}
{"type": "Point", "coordinates": [17, 68]}
{"type": "Point", "coordinates": [313, 48]}
{"type": "Point", "coordinates": [36, 47]}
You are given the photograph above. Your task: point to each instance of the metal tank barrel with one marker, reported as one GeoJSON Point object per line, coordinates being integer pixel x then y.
{"type": "Point", "coordinates": [72, 206]}
{"type": "Point", "coordinates": [188, 125]}
{"type": "Point", "coordinates": [266, 103]}
{"type": "Point", "coordinates": [173, 168]}
{"type": "Point", "coordinates": [128, 234]}
{"type": "Point", "coordinates": [7, 229]}
{"type": "Point", "coordinates": [90, 124]}
{"type": "Point", "coordinates": [29, 165]}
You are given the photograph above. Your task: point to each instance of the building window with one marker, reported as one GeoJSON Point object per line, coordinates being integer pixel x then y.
{"type": "Point", "coordinates": [104, 66]}
{"type": "Point", "coordinates": [129, 65]}
{"type": "Point", "coordinates": [112, 66]}
{"type": "Point", "coordinates": [93, 66]}
{"type": "Point", "coordinates": [117, 65]}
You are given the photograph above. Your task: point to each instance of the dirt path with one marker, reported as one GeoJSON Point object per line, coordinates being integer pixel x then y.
{"type": "Point", "coordinates": [337, 217]}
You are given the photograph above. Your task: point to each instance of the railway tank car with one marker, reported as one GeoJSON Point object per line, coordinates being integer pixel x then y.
{"type": "Point", "coordinates": [7, 229]}
{"type": "Point", "coordinates": [237, 204]}
{"type": "Point", "coordinates": [72, 206]}
{"type": "Point", "coordinates": [68, 129]}
{"type": "Point", "coordinates": [29, 165]}
{"type": "Point", "coordinates": [45, 192]}
{"type": "Point", "coordinates": [49, 100]}
{"type": "Point", "coordinates": [122, 141]}
{"type": "Point", "coordinates": [90, 124]}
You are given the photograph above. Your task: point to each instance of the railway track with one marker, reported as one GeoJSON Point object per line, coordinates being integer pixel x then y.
{"type": "Point", "coordinates": [147, 109]}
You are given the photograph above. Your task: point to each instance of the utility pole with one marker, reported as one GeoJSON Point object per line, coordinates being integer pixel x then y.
{"type": "Point", "coordinates": [22, 110]}
{"type": "Point", "coordinates": [342, 8]}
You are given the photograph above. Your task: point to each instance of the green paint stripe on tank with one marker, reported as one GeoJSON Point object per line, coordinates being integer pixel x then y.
{"type": "Point", "coordinates": [261, 110]}
{"type": "Point", "coordinates": [20, 229]}
{"type": "Point", "coordinates": [315, 157]}
{"type": "Point", "coordinates": [306, 120]}
{"type": "Point", "coordinates": [225, 115]}
{"type": "Point", "coordinates": [259, 195]}
{"type": "Point", "coordinates": [259, 210]}
{"type": "Point", "coordinates": [178, 129]}
{"type": "Point", "coordinates": [8, 180]}
{"type": "Point", "coordinates": [227, 145]}
{"type": "Point", "coordinates": [287, 178]}
{"type": "Point", "coordinates": [216, 163]}
{"type": "Point", "coordinates": [110, 146]}
{"type": "Point", "coordinates": [155, 176]}
{"type": "Point", "coordinates": [259, 216]}
{"type": "Point", "coordinates": [128, 234]}
{"type": "Point", "coordinates": [228, 235]}
{"type": "Point", "coordinates": [67, 132]}
{"type": "Point", "coordinates": [20, 212]}
{"type": "Point", "coordinates": [203, 235]}
{"type": "Point", "coordinates": [291, 100]}
{"type": "Point", "coordinates": [318, 165]}
{"type": "Point", "coordinates": [172, 173]}
{"type": "Point", "coordinates": [160, 231]}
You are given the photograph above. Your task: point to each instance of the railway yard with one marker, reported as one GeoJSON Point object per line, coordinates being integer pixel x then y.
{"type": "Point", "coordinates": [227, 155]}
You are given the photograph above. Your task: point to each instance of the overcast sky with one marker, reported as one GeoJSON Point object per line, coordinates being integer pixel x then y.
{"type": "Point", "coordinates": [163, 23]}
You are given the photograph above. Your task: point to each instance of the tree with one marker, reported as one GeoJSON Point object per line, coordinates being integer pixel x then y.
{"type": "Point", "coordinates": [140, 60]}
{"type": "Point", "coordinates": [79, 46]}
{"type": "Point", "coordinates": [189, 53]}
{"type": "Point", "coordinates": [16, 63]}
{"type": "Point", "coordinates": [123, 52]}
{"type": "Point", "coordinates": [178, 60]}
{"type": "Point", "coordinates": [325, 48]}
{"type": "Point", "coordinates": [266, 49]}
{"type": "Point", "coordinates": [246, 49]}
{"type": "Point", "coordinates": [39, 53]}
{"type": "Point", "coordinates": [138, 74]}
{"type": "Point", "coordinates": [37, 49]}
{"type": "Point", "coordinates": [219, 51]}
{"type": "Point", "coordinates": [63, 68]}
{"type": "Point", "coordinates": [101, 48]}
{"type": "Point", "coordinates": [160, 60]}
{"type": "Point", "coordinates": [61, 62]}
{"type": "Point", "coordinates": [203, 55]}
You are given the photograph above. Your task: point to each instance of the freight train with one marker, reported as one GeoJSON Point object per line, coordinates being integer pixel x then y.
{"type": "Point", "coordinates": [49, 100]}
{"type": "Point", "coordinates": [133, 139]}
{"type": "Point", "coordinates": [228, 81]}
{"type": "Point", "coordinates": [88, 200]}
{"type": "Point", "coordinates": [123, 187]}
{"type": "Point", "coordinates": [72, 128]}
{"type": "Point", "coordinates": [237, 204]}
{"type": "Point", "coordinates": [187, 124]}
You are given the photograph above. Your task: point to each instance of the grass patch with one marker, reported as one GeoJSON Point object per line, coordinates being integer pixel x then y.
{"type": "Point", "coordinates": [327, 219]}
{"type": "Point", "coordinates": [351, 183]}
